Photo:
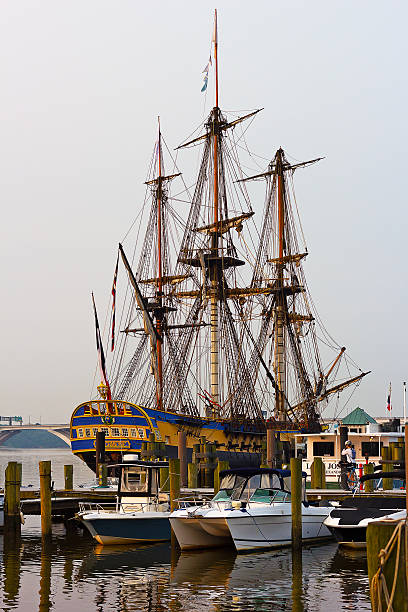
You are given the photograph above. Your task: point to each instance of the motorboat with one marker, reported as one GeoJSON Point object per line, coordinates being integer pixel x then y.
{"type": "Point", "coordinates": [348, 521]}
{"type": "Point", "coordinates": [251, 511]}
{"type": "Point", "coordinates": [141, 512]}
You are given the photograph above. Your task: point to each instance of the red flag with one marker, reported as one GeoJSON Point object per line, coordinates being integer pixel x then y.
{"type": "Point", "coordinates": [101, 354]}
{"type": "Point", "coordinates": [115, 276]}
{"type": "Point", "coordinates": [389, 406]}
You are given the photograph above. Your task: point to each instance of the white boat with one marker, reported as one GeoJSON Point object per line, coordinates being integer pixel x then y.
{"type": "Point", "coordinates": [251, 511]}
{"type": "Point", "coordinates": [141, 513]}
{"type": "Point", "coordinates": [348, 521]}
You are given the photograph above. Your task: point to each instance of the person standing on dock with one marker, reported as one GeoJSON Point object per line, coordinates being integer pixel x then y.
{"type": "Point", "coordinates": [347, 452]}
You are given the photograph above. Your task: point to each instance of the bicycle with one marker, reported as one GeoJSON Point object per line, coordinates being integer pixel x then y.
{"type": "Point", "coordinates": [352, 479]}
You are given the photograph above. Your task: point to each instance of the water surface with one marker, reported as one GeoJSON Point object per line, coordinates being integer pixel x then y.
{"type": "Point", "coordinates": [69, 572]}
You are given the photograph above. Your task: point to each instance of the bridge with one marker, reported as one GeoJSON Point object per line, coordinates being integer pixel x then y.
{"type": "Point", "coordinates": [59, 430]}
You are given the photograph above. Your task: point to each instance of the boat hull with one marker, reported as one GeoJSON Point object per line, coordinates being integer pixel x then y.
{"type": "Point", "coordinates": [271, 526]}
{"type": "Point", "coordinates": [128, 427]}
{"type": "Point", "coordinates": [192, 532]}
{"type": "Point", "coordinates": [117, 528]}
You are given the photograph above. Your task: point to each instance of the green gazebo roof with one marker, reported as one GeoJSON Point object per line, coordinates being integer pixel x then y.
{"type": "Point", "coordinates": [358, 417]}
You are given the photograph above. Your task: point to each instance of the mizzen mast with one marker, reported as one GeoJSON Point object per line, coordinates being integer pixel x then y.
{"type": "Point", "coordinates": [280, 309]}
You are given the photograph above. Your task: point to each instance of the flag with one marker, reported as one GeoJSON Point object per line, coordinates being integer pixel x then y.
{"type": "Point", "coordinates": [115, 276]}
{"type": "Point", "coordinates": [389, 406]}
{"type": "Point", "coordinates": [215, 33]}
{"type": "Point", "coordinates": [205, 73]}
{"type": "Point", "coordinates": [101, 354]}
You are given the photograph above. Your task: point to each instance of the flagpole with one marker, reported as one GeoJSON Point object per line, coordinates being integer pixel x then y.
{"type": "Point", "coordinates": [405, 402]}
{"type": "Point", "coordinates": [215, 37]}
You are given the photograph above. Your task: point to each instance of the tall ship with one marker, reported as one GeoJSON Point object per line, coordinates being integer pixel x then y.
{"type": "Point", "coordinates": [212, 324]}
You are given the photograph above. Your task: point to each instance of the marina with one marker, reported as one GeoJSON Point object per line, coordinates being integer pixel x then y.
{"type": "Point", "coordinates": [203, 376]}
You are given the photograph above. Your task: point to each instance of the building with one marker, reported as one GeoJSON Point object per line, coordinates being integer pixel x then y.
{"type": "Point", "coordinates": [367, 435]}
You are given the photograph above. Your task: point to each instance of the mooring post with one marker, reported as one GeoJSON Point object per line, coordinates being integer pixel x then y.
{"type": "Point", "coordinates": [378, 537]}
{"type": "Point", "coordinates": [196, 460]}
{"type": "Point", "coordinates": [210, 450]}
{"type": "Point", "coordinates": [369, 484]}
{"type": "Point", "coordinates": [12, 484]}
{"type": "Point", "coordinates": [164, 479]}
{"type": "Point", "coordinates": [296, 500]}
{"type": "Point", "coordinates": [270, 447]}
{"type": "Point", "coordinates": [103, 475]}
{"type": "Point", "coordinates": [174, 473]}
{"type": "Point", "coordinates": [45, 497]}
{"type": "Point", "coordinates": [317, 472]}
{"type": "Point", "coordinates": [182, 455]}
{"type": "Point", "coordinates": [398, 453]}
{"type": "Point", "coordinates": [99, 450]}
{"type": "Point", "coordinates": [68, 477]}
{"type": "Point", "coordinates": [221, 465]}
{"type": "Point", "coordinates": [386, 456]}
{"type": "Point", "coordinates": [192, 475]}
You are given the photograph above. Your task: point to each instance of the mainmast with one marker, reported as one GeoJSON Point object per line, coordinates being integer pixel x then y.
{"type": "Point", "coordinates": [214, 271]}
{"type": "Point", "coordinates": [159, 311]}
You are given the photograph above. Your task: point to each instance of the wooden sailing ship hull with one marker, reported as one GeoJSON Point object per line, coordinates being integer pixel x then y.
{"type": "Point", "coordinates": [128, 425]}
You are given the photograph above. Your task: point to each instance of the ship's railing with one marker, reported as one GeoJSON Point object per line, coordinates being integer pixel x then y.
{"type": "Point", "coordinates": [199, 501]}
{"type": "Point", "coordinates": [125, 507]}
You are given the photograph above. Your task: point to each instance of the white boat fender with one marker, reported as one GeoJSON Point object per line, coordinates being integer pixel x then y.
{"type": "Point", "coordinates": [22, 519]}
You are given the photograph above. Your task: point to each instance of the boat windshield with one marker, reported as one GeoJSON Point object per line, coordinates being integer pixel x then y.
{"type": "Point", "coordinates": [230, 487]}
{"type": "Point", "coordinates": [134, 479]}
{"type": "Point", "coordinates": [267, 496]}
{"type": "Point", "coordinates": [247, 491]}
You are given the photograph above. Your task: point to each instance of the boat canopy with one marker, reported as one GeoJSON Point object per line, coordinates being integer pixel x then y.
{"type": "Point", "coordinates": [243, 482]}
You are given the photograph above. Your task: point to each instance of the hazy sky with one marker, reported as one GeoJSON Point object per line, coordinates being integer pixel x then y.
{"type": "Point", "coordinates": [82, 83]}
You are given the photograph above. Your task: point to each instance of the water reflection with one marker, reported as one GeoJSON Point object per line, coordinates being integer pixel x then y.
{"type": "Point", "coordinates": [12, 551]}
{"type": "Point", "coordinates": [69, 572]}
{"type": "Point", "coordinates": [297, 581]}
{"type": "Point", "coordinates": [45, 575]}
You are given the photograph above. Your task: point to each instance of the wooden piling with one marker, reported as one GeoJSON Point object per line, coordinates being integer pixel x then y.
{"type": "Point", "coordinates": [12, 484]}
{"type": "Point", "coordinates": [164, 479]}
{"type": "Point", "coordinates": [68, 477]}
{"type": "Point", "coordinates": [174, 473]}
{"type": "Point", "coordinates": [11, 505]}
{"type": "Point", "coordinates": [182, 455]}
{"type": "Point", "coordinates": [318, 474]}
{"type": "Point", "coordinates": [192, 475]}
{"type": "Point", "coordinates": [270, 447]}
{"type": "Point", "coordinates": [103, 475]}
{"type": "Point", "coordinates": [99, 450]}
{"type": "Point", "coordinates": [296, 501]}
{"type": "Point", "coordinates": [387, 467]}
{"type": "Point", "coordinates": [397, 453]}
{"type": "Point", "coordinates": [369, 484]}
{"type": "Point", "coordinates": [196, 461]}
{"type": "Point", "coordinates": [45, 496]}
{"type": "Point", "coordinates": [221, 465]}
{"type": "Point", "coordinates": [392, 557]}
